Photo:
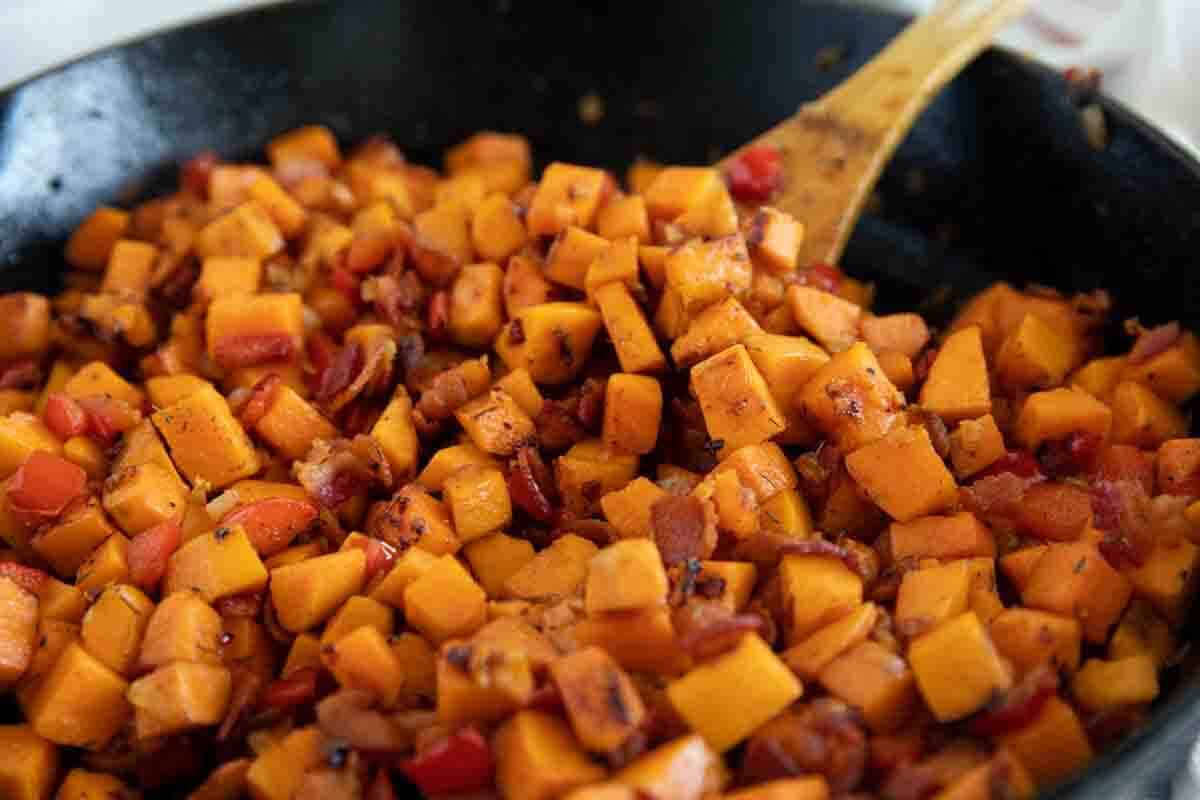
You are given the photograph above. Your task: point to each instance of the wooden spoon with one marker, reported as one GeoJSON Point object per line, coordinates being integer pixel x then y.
{"type": "Point", "coordinates": [834, 148]}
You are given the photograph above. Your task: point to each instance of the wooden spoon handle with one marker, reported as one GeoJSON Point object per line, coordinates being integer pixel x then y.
{"type": "Point", "coordinates": [835, 147]}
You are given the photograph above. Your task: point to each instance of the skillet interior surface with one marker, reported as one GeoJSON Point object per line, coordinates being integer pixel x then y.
{"type": "Point", "coordinates": [996, 179]}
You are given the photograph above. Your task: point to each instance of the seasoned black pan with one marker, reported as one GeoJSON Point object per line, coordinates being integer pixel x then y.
{"type": "Point", "coordinates": [996, 180]}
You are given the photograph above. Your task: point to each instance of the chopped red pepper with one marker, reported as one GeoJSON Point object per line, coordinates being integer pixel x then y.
{"type": "Point", "coordinates": [108, 417]}
{"type": "Point", "coordinates": [64, 416]}
{"type": "Point", "coordinates": [1018, 462]}
{"type": "Point", "coordinates": [262, 397]}
{"type": "Point", "coordinates": [271, 524]}
{"type": "Point", "coordinates": [251, 350]}
{"type": "Point", "coordinates": [1018, 707]}
{"type": "Point", "coordinates": [150, 550]}
{"type": "Point", "coordinates": [297, 689]}
{"type": "Point", "coordinates": [755, 173]}
{"type": "Point", "coordinates": [43, 486]}
{"type": "Point", "coordinates": [461, 762]}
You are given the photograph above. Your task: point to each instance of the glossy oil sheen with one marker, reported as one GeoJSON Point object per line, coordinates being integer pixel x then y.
{"type": "Point", "coordinates": [996, 180]}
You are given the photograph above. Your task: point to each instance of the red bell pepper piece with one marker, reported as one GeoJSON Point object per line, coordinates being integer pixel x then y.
{"type": "Point", "coordinates": [271, 524]}
{"type": "Point", "coordinates": [150, 550]}
{"type": "Point", "coordinates": [461, 762]}
{"type": "Point", "coordinates": [64, 416]}
{"type": "Point", "coordinates": [43, 486]}
{"type": "Point", "coordinates": [755, 173]}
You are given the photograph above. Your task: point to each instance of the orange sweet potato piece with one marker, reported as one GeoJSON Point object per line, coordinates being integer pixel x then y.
{"type": "Point", "coordinates": [602, 705]}
{"type": "Point", "coordinates": [28, 765]}
{"type": "Point", "coordinates": [1053, 746]}
{"type": "Point", "coordinates": [959, 535]}
{"type": "Point", "coordinates": [876, 681]}
{"type": "Point", "coordinates": [179, 697]}
{"type": "Point", "coordinates": [18, 631]}
{"type": "Point", "coordinates": [958, 668]}
{"type": "Point", "coordinates": [903, 333]}
{"type": "Point", "coordinates": [1142, 418]}
{"type": "Point", "coordinates": [537, 758]}
{"type": "Point", "coordinates": [851, 400]}
{"type": "Point", "coordinates": [815, 652]}
{"type": "Point", "coordinates": [830, 320]}
{"type": "Point", "coordinates": [958, 384]}
{"type": "Point", "coordinates": [1030, 638]}
{"type": "Point", "coordinates": [903, 475]}
{"type": "Point", "coordinates": [1074, 579]}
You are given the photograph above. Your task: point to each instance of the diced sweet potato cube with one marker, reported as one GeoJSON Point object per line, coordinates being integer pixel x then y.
{"type": "Point", "coordinates": [1053, 746]}
{"type": "Point", "coordinates": [643, 641]}
{"type": "Point", "coordinates": [1029, 638]}
{"type": "Point", "coordinates": [1168, 577]}
{"type": "Point", "coordinates": [92, 242]}
{"type": "Point", "coordinates": [874, 680]}
{"type": "Point", "coordinates": [818, 591]}
{"type": "Point", "coordinates": [130, 266]}
{"type": "Point", "coordinates": [448, 460]}
{"type": "Point", "coordinates": [818, 649]}
{"type": "Point", "coordinates": [291, 424]}
{"type": "Point", "coordinates": [959, 535]}
{"type": "Point", "coordinates": [67, 543]}
{"type": "Point", "coordinates": [903, 475]}
{"type": "Point", "coordinates": [555, 572]}
{"type": "Point", "coordinates": [476, 304]}
{"type": "Point", "coordinates": [357, 612]}
{"type": "Point", "coordinates": [246, 330]}
{"type": "Point", "coordinates": [24, 326]}
{"type": "Point", "coordinates": [288, 214]}
{"type": "Point", "coordinates": [763, 684]}
{"type": "Point", "coordinates": [617, 263]}
{"type": "Point", "coordinates": [774, 237]}
{"type": "Point", "coordinates": [1056, 414]}
{"type": "Point", "coordinates": [1003, 771]}
{"type": "Point", "coordinates": [182, 628]}
{"type": "Point", "coordinates": [411, 564]}
{"type": "Point", "coordinates": [851, 400]}
{"type": "Point", "coordinates": [21, 434]}
{"type": "Point", "coordinates": [108, 563]}
{"type": "Point", "coordinates": [1178, 467]}
{"type": "Point", "coordinates": [567, 195]}
{"type": "Point", "coordinates": [975, 445]}
{"type": "Point", "coordinates": [571, 254]}
{"type": "Point", "coordinates": [478, 500]}
{"type": "Point", "coordinates": [737, 405]}
{"type": "Point", "coordinates": [363, 660]}
{"type": "Point", "coordinates": [602, 705]}
{"type": "Point", "coordinates": [736, 506]}
{"type": "Point", "coordinates": [1099, 376]}
{"type": "Point", "coordinates": [462, 699]}
{"type": "Point", "coordinates": [80, 702]}
{"type": "Point", "coordinates": [898, 368]}
{"type": "Point", "coordinates": [1142, 418]}
{"type": "Point", "coordinates": [625, 576]}
{"type": "Point", "coordinates": [732, 582]}
{"type": "Point", "coordinates": [179, 697]}
{"type": "Point", "coordinates": [537, 758]}
{"type": "Point", "coordinates": [717, 327]}
{"type": "Point", "coordinates": [632, 413]}
{"type": "Point", "coordinates": [827, 318]}
{"type": "Point", "coordinates": [676, 190]}
{"type": "Point", "coordinates": [113, 627]}
{"type": "Point", "coordinates": [206, 441]}
{"type": "Point", "coordinates": [701, 274]}
{"type": "Point", "coordinates": [245, 232]}
{"type": "Point", "coordinates": [1074, 579]}
{"type": "Point", "coordinates": [637, 349]}
{"type": "Point", "coordinates": [279, 770]}
{"type": "Point", "coordinates": [143, 496]}
{"type": "Point", "coordinates": [496, 230]}
{"type": "Point", "coordinates": [219, 564]}
{"type": "Point", "coordinates": [957, 387]}
{"type": "Point", "coordinates": [904, 333]}
{"type": "Point", "coordinates": [1036, 355]}
{"type": "Point", "coordinates": [1173, 374]}
{"type": "Point", "coordinates": [1141, 631]}
{"type": "Point", "coordinates": [495, 558]}
{"type": "Point", "coordinates": [98, 378]}
{"type": "Point", "coordinates": [445, 602]}
{"type": "Point", "coordinates": [624, 216]}
{"type": "Point", "coordinates": [307, 143]}
{"type": "Point", "coordinates": [628, 509]}
{"type": "Point", "coordinates": [932, 595]}
{"type": "Point", "coordinates": [28, 765]}
{"type": "Point", "coordinates": [591, 469]}
{"type": "Point", "coordinates": [495, 422]}
{"type": "Point", "coordinates": [957, 668]}
{"type": "Point", "coordinates": [166, 389]}
{"type": "Point", "coordinates": [305, 594]}
{"type": "Point", "coordinates": [441, 243]}
{"type": "Point", "coordinates": [426, 520]}
{"type": "Point", "coordinates": [551, 340]}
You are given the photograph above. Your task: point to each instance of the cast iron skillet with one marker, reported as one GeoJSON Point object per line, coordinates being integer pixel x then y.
{"type": "Point", "coordinates": [995, 180]}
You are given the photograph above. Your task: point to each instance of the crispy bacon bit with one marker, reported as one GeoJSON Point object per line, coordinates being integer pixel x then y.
{"type": "Point", "coordinates": [706, 628]}
{"type": "Point", "coordinates": [21, 375]}
{"type": "Point", "coordinates": [196, 172]}
{"type": "Point", "coordinates": [1124, 462]}
{"type": "Point", "coordinates": [1054, 511]}
{"type": "Point", "coordinates": [1075, 454]}
{"type": "Point", "coordinates": [819, 275]}
{"type": "Point", "coordinates": [242, 699]}
{"type": "Point", "coordinates": [1123, 510]}
{"type": "Point", "coordinates": [557, 424]}
{"type": "Point", "coordinates": [1015, 462]}
{"type": "Point", "coordinates": [30, 579]}
{"type": "Point", "coordinates": [334, 471]}
{"type": "Point", "coordinates": [923, 363]}
{"type": "Point", "coordinates": [591, 404]}
{"type": "Point", "coordinates": [380, 556]}
{"type": "Point", "coordinates": [1018, 706]}
{"type": "Point", "coordinates": [321, 351]}
{"type": "Point", "coordinates": [346, 283]}
{"type": "Point", "coordinates": [438, 317]}
{"type": "Point", "coordinates": [233, 352]}
{"type": "Point", "coordinates": [445, 394]}
{"type": "Point", "coordinates": [64, 416]}
{"type": "Point", "coordinates": [938, 435]}
{"type": "Point", "coordinates": [375, 375]}
{"type": "Point", "coordinates": [297, 689]}
{"type": "Point", "coordinates": [261, 398]}
{"type": "Point", "coordinates": [240, 605]}
{"type": "Point", "coordinates": [400, 300]}
{"type": "Point", "coordinates": [678, 524]}
{"type": "Point", "coordinates": [348, 715]}
{"type": "Point", "coordinates": [755, 173]}
{"type": "Point", "coordinates": [823, 737]}
{"type": "Point", "coordinates": [1152, 341]}
{"type": "Point", "coordinates": [995, 494]}
{"type": "Point", "coordinates": [345, 365]}
{"type": "Point", "coordinates": [531, 484]}
{"type": "Point", "coordinates": [150, 550]}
